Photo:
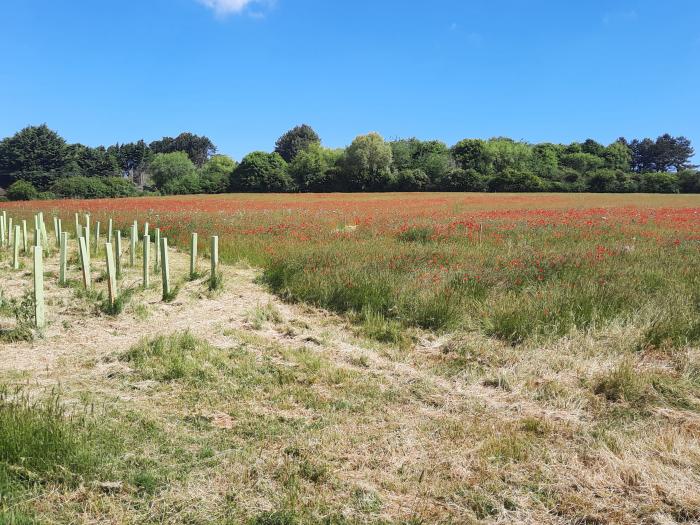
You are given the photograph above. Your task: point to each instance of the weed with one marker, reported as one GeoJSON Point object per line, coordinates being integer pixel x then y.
{"type": "Point", "coordinates": [117, 306]}
{"type": "Point", "coordinates": [216, 282]}
{"type": "Point", "coordinates": [170, 296]}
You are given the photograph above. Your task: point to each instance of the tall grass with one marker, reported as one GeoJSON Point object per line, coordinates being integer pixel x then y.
{"type": "Point", "coordinates": [42, 444]}
{"type": "Point", "coordinates": [541, 287]}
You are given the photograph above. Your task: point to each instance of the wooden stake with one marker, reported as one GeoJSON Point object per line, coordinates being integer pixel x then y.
{"type": "Point", "coordinates": [39, 313]}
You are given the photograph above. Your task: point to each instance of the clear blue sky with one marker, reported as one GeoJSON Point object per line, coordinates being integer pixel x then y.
{"type": "Point", "coordinates": [242, 72]}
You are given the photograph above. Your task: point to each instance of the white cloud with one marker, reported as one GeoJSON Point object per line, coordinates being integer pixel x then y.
{"type": "Point", "coordinates": [227, 7]}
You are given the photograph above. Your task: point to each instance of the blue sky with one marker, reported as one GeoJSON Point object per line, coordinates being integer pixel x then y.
{"type": "Point", "coordinates": [244, 71]}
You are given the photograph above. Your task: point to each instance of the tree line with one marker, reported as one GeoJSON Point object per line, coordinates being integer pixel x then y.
{"type": "Point", "coordinates": [37, 163]}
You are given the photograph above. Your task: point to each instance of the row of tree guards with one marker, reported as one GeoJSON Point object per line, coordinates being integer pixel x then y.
{"type": "Point", "coordinates": [15, 236]}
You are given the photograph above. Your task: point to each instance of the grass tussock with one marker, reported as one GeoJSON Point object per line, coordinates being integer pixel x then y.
{"type": "Point", "coordinates": [641, 389]}
{"type": "Point", "coordinates": [116, 307]}
{"type": "Point", "coordinates": [179, 356]}
{"type": "Point", "coordinates": [215, 282]}
{"type": "Point", "coordinates": [170, 296]}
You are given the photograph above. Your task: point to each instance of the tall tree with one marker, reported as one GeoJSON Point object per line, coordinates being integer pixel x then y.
{"type": "Point", "coordinates": [92, 162]}
{"type": "Point", "coordinates": [36, 154]}
{"type": "Point", "coordinates": [661, 155]}
{"type": "Point", "coordinates": [618, 155]}
{"type": "Point", "coordinates": [261, 171]}
{"type": "Point", "coordinates": [672, 152]}
{"type": "Point", "coordinates": [216, 174]}
{"type": "Point", "coordinates": [172, 170]}
{"type": "Point", "coordinates": [296, 140]}
{"type": "Point", "coordinates": [471, 154]}
{"type": "Point", "coordinates": [432, 157]}
{"type": "Point", "coordinates": [198, 148]}
{"type": "Point", "coordinates": [313, 169]}
{"type": "Point", "coordinates": [367, 163]}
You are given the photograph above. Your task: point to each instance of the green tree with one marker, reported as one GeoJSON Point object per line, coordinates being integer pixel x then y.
{"type": "Point", "coordinates": [198, 148]}
{"type": "Point", "coordinates": [132, 158]}
{"type": "Point", "coordinates": [472, 154]}
{"type": "Point", "coordinates": [367, 163]}
{"type": "Point", "coordinates": [215, 175]}
{"type": "Point", "coordinates": [582, 162]}
{"type": "Point", "coordinates": [618, 156]}
{"type": "Point", "coordinates": [507, 154]}
{"type": "Point", "coordinates": [545, 160]}
{"type": "Point", "coordinates": [295, 141]}
{"type": "Point", "coordinates": [166, 168]}
{"type": "Point", "coordinates": [661, 155]}
{"type": "Point", "coordinates": [91, 162]}
{"type": "Point", "coordinates": [432, 157]}
{"type": "Point", "coordinates": [262, 172]}
{"type": "Point", "coordinates": [593, 147]}
{"type": "Point", "coordinates": [35, 154]}
{"type": "Point", "coordinates": [314, 169]}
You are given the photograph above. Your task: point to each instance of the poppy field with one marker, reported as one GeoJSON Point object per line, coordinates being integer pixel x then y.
{"type": "Point", "coordinates": [513, 266]}
{"type": "Point", "coordinates": [367, 359]}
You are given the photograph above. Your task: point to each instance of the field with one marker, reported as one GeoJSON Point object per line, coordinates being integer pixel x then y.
{"type": "Point", "coordinates": [370, 358]}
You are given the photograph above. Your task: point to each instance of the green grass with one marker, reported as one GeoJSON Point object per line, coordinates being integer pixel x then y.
{"type": "Point", "coordinates": [533, 287]}
{"type": "Point", "coordinates": [179, 356]}
{"type": "Point", "coordinates": [42, 445]}
{"type": "Point", "coordinates": [641, 389]}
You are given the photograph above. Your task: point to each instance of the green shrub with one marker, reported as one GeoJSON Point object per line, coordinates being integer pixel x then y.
{"type": "Point", "coordinates": [21, 190]}
{"type": "Point", "coordinates": [80, 187]}
{"type": "Point", "coordinates": [261, 171]}
{"type": "Point", "coordinates": [659, 183]}
{"type": "Point", "coordinates": [514, 180]}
